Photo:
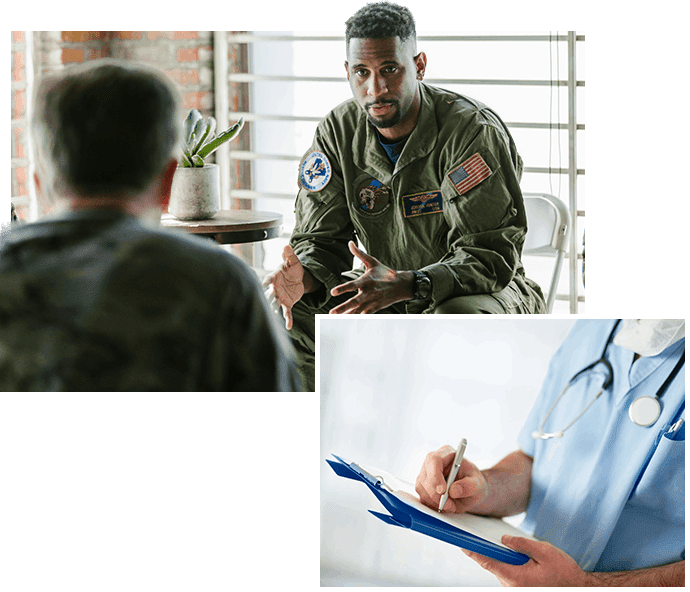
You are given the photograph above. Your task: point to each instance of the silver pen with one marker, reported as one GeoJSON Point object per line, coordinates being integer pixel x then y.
{"type": "Point", "coordinates": [459, 453]}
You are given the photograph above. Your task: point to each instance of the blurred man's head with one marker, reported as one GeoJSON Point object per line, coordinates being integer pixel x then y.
{"type": "Point", "coordinates": [104, 131]}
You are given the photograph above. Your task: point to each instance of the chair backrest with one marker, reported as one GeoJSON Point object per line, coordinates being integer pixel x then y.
{"type": "Point", "coordinates": [548, 225]}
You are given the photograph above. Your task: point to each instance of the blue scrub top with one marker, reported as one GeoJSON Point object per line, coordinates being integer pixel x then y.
{"type": "Point", "coordinates": [609, 493]}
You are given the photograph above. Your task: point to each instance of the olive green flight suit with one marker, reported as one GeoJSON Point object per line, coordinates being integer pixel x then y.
{"type": "Point", "coordinates": [427, 212]}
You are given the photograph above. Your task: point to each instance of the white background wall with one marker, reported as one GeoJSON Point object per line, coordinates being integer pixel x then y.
{"type": "Point", "coordinates": [393, 390]}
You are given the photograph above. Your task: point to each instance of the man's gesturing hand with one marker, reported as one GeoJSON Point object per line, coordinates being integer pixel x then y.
{"type": "Point", "coordinates": [378, 287]}
{"type": "Point", "coordinates": [469, 489]}
{"type": "Point", "coordinates": [286, 284]}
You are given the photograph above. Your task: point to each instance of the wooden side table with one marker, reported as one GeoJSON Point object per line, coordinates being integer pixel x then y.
{"type": "Point", "coordinates": [231, 227]}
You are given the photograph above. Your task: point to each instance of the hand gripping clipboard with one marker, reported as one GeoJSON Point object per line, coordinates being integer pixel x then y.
{"type": "Point", "coordinates": [406, 511]}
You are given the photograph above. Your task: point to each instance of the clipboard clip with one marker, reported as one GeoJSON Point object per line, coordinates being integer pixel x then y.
{"type": "Point", "coordinates": [351, 470]}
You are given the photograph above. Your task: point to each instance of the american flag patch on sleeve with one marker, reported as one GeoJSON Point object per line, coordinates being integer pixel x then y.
{"type": "Point", "coordinates": [469, 174]}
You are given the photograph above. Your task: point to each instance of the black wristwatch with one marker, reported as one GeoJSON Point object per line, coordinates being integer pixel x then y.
{"type": "Point", "coordinates": [422, 286]}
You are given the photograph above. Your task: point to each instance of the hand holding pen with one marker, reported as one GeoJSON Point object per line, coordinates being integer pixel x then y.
{"type": "Point", "coordinates": [462, 484]}
{"type": "Point", "coordinates": [457, 461]}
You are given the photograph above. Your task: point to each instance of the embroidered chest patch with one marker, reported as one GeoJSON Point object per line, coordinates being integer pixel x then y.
{"type": "Point", "coordinates": [374, 197]}
{"type": "Point", "coordinates": [470, 173]}
{"type": "Point", "coordinates": [314, 171]}
{"type": "Point", "coordinates": [428, 202]}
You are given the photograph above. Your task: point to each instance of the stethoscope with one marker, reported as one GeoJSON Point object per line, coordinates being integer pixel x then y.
{"type": "Point", "coordinates": [644, 411]}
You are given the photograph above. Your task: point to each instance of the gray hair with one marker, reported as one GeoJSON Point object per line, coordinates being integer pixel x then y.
{"type": "Point", "coordinates": [104, 128]}
{"type": "Point", "coordinates": [381, 20]}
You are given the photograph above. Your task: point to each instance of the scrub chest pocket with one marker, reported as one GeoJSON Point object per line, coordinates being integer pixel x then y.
{"type": "Point", "coordinates": [662, 482]}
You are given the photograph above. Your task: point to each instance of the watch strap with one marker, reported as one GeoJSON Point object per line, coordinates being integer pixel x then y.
{"type": "Point", "coordinates": [422, 286]}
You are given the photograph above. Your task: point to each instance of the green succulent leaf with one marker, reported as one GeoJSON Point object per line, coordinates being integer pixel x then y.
{"type": "Point", "coordinates": [198, 135]}
{"type": "Point", "coordinates": [190, 123]}
{"type": "Point", "coordinates": [227, 135]}
{"type": "Point", "coordinates": [186, 159]}
{"type": "Point", "coordinates": [211, 129]}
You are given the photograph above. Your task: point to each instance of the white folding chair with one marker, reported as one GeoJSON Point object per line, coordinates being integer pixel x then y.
{"type": "Point", "coordinates": [548, 225]}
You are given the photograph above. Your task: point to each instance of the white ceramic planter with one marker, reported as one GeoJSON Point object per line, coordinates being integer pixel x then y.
{"type": "Point", "coordinates": [195, 193]}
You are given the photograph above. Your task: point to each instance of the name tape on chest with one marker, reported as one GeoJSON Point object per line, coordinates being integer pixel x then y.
{"type": "Point", "coordinates": [314, 171]}
{"type": "Point", "coordinates": [428, 202]}
{"type": "Point", "coordinates": [470, 173]}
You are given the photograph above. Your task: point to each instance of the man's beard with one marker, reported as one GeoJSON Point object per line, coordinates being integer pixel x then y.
{"type": "Point", "coordinates": [394, 118]}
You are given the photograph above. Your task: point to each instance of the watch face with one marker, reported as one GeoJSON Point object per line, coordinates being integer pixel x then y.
{"type": "Point", "coordinates": [423, 287]}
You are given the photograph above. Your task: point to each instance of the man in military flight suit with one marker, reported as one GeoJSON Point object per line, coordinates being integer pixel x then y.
{"type": "Point", "coordinates": [426, 180]}
{"type": "Point", "coordinates": [100, 297]}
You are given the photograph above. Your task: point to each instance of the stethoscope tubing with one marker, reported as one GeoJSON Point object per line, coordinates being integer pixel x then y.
{"type": "Point", "coordinates": [642, 419]}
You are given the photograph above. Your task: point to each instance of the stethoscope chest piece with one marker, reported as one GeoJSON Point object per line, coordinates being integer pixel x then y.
{"type": "Point", "coordinates": [644, 411]}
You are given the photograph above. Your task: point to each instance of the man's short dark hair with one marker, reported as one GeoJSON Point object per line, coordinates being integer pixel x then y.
{"type": "Point", "coordinates": [380, 20]}
{"type": "Point", "coordinates": [105, 128]}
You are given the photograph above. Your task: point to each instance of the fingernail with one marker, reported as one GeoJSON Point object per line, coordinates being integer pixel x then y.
{"type": "Point", "coordinates": [440, 489]}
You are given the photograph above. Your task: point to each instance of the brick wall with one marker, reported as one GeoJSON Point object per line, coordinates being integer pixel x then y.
{"type": "Point", "coordinates": [19, 129]}
{"type": "Point", "coordinates": [185, 56]}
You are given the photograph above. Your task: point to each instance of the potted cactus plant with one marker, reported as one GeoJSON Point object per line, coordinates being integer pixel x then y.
{"type": "Point", "coordinates": [195, 193]}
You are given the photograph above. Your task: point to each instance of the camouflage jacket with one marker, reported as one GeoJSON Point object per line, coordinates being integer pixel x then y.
{"type": "Point", "coordinates": [451, 206]}
{"type": "Point", "coordinates": [97, 301]}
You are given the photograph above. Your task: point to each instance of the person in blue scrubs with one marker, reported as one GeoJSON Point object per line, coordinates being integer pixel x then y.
{"type": "Point", "coordinates": [600, 472]}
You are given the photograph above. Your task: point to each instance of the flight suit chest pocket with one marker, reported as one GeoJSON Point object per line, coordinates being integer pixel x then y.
{"type": "Point", "coordinates": [476, 196]}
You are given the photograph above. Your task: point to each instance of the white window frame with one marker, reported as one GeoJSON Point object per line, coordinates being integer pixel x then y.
{"type": "Point", "coordinates": [569, 83]}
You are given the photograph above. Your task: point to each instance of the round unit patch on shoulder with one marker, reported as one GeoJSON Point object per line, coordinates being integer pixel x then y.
{"type": "Point", "coordinates": [314, 171]}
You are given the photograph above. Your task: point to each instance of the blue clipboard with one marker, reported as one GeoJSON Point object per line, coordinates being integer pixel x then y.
{"type": "Point", "coordinates": [406, 516]}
